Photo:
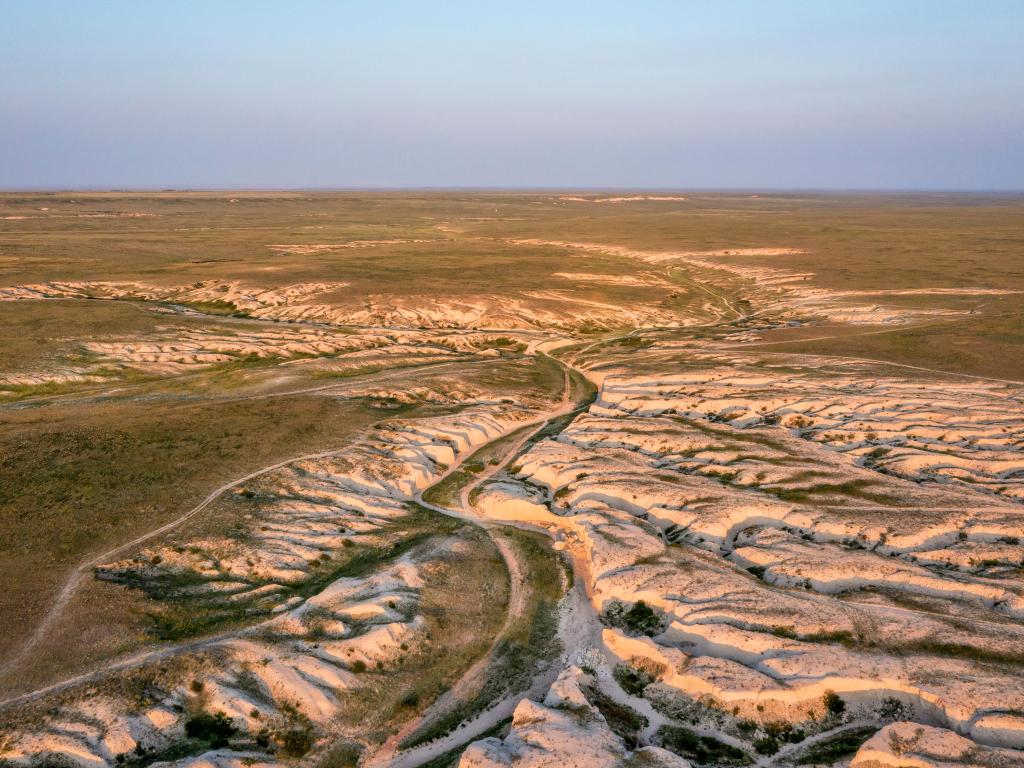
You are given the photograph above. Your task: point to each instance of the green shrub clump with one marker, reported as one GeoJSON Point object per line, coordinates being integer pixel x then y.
{"type": "Point", "coordinates": [834, 705]}
{"type": "Point", "coordinates": [640, 619]}
{"type": "Point", "coordinates": [216, 728]}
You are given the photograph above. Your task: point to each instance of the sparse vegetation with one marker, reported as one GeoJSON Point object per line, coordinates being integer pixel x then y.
{"type": "Point", "coordinates": [639, 618]}
{"type": "Point", "coordinates": [343, 755]}
{"type": "Point", "coordinates": [836, 748]}
{"type": "Point", "coordinates": [529, 642]}
{"type": "Point", "coordinates": [701, 750]}
{"type": "Point", "coordinates": [834, 705]}
{"type": "Point", "coordinates": [214, 728]}
{"type": "Point", "coordinates": [626, 723]}
{"type": "Point", "coordinates": [634, 677]}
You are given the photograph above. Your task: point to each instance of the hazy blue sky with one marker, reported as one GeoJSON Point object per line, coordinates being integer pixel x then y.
{"type": "Point", "coordinates": [709, 93]}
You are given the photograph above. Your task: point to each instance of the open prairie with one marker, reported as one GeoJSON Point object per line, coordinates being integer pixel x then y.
{"type": "Point", "coordinates": [505, 478]}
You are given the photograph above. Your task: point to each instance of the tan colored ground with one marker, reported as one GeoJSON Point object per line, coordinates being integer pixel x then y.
{"type": "Point", "coordinates": [507, 479]}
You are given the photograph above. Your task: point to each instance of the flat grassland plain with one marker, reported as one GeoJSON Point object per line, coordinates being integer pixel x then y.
{"type": "Point", "coordinates": [493, 479]}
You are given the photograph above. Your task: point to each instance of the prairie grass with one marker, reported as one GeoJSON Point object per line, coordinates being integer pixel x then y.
{"type": "Point", "coordinates": [530, 642]}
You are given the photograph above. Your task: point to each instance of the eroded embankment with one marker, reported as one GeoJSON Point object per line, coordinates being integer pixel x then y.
{"type": "Point", "coordinates": [717, 533]}
{"type": "Point", "coordinates": [348, 584]}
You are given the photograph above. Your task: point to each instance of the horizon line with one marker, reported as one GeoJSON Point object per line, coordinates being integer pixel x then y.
{"type": "Point", "coordinates": [512, 188]}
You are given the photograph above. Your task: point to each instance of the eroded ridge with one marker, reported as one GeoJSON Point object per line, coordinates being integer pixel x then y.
{"type": "Point", "coordinates": [783, 294]}
{"type": "Point", "coordinates": [176, 351]}
{"type": "Point", "coordinates": [330, 572]}
{"type": "Point", "coordinates": [758, 579]}
{"type": "Point", "coordinates": [965, 432]}
{"type": "Point", "coordinates": [205, 293]}
{"type": "Point", "coordinates": [323, 303]}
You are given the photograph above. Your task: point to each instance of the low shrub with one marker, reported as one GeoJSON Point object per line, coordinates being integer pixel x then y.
{"type": "Point", "coordinates": [216, 728]}
{"type": "Point", "coordinates": [640, 618]}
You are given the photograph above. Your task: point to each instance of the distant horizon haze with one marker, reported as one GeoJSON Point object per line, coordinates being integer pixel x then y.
{"type": "Point", "coordinates": [736, 96]}
{"type": "Point", "coordinates": [599, 190]}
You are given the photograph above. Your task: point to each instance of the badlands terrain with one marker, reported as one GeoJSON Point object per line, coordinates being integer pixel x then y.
{"type": "Point", "coordinates": [508, 479]}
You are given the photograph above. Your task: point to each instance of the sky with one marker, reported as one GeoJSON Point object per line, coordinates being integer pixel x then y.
{"type": "Point", "coordinates": [769, 94]}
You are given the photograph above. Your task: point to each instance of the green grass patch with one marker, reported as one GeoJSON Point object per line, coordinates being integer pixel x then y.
{"type": "Point", "coordinates": [451, 758]}
{"type": "Point", "coordinates": [213, 307]}
{"type": "Point", "coordinates": [836, 748]}
{"type": "Point", "coordinates": [700, 750]}
{"type": "Point", "coordinates": [625, 722]}
{"type": "Point", "coordinates": [855, 489]}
